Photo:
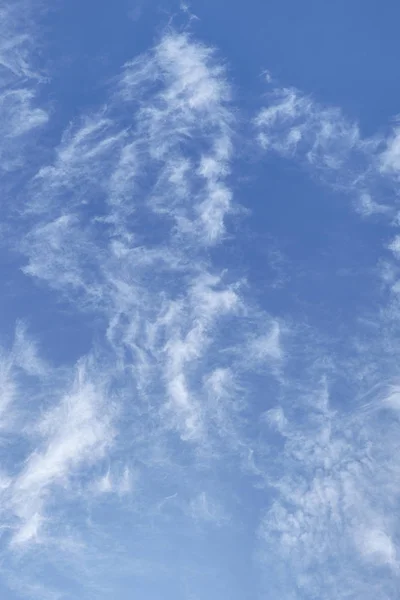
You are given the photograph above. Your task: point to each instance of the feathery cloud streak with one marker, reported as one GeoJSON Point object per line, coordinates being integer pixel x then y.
{"type": "Point", "coordinates": [120, 224]}
{"type": "Point", "coordinates": [192, 403]}
{"type": "Point", "coordinates": [332, 519]}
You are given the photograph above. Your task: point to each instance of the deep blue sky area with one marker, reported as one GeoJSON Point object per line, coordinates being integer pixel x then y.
{"type": "Point", "coordinates": [199, 308]}
{"type": "Point", "coordinates": [344, 53]}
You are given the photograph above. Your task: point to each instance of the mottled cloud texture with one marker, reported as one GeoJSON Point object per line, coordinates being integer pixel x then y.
{"type": "Point", "coordinates": [167, 430]}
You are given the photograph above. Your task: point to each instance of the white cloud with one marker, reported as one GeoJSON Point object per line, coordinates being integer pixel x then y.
{"type": "Point", "coordinates": [328, 145]}
{"type": "Point", "coordinates": [20, 117]}
{"type": "Point", "coordinates": [294, 124]}
{"type": "Point", "coordinates": [75, 433]}
{"type": "Point", "coordinates": [21, 360]}
{"type": "Point", "coordinates": [392, 399]}
{"type": "Point", "coordinates": [194, 100]}
{"type": "Point", "coordinates": [334, 480]}
{"type": "Point", "coordinates": [267, 347]}
{"type": "Point", "coordinates": [367, 206]}
{"type": "Point", "coordinates": [118, 220]}
{"type": "Point", "coordinates": [394, 246]}
{"type": "Point", "coordinates": [115, 483]}
{"type": "Point", "coordinates": [376, 545]}
{"type": "Point", "coordinates": [17, 40]}
{"type": "Point", "coordinates": [276, 418]}
{"type": "Point", "coordinates": [190, 328]}
{"type": "Point", "coordinates": [29, 531]}
{"type": "Point", "coordinates": [204, 509]}
{"type": "Point", "coordinates": [120, 223]}
{"type": "Point", "coordinates": [390, 157]}
{"type": "Point", "coordinates": [102, 164]}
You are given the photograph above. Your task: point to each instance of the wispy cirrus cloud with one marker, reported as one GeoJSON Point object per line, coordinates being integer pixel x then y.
{"type": "Point", "coordinates": [390, 156]}
{"type": "Point", "coordinates": [75, 432]}
{"type": "Point", "coordinates": [294, 124]}
{"type": "Point", "coordinates": [192, 400]}
{"type": "Point", "coordinates": [120, 224]}
{"type": "Point", "coordinates": [20, 114]}
{"type": "Point", "coordinates": [331, 147]}
{"type": "Point", "coordinates": [332, 521]}
{"type": "Point", "coordinates": [92, 241]}
{"type": "Point", "coordinates": [332, 515]}
{"type": "Point", "coordinates": [18, 40]}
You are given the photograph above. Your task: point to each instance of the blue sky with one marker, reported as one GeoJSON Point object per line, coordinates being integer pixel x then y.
{"type": "Point", "coordinates": [199, 318]}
